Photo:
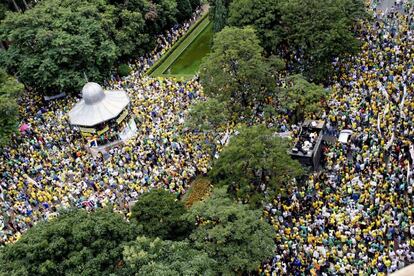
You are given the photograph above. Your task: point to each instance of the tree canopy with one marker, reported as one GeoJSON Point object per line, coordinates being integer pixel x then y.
{"type": "Point", "coordinates": [130, 35]}
{"type": "Point", "coordinates": [308, 34]}
{"type": "Point", "coordinates": [159, 213]}
{"type": "Point", "coordinates": [219, 13]}
{"type": "Point", "coordinates": [208, 115]}
{"type": "Point", "coordinates": [233, 235]}
{"type": "Point", "coordinates": [211, 117]}
{"type": "Point", "coordinates": [157, 257]}
{"type": "Point", "coordinates": [264, 15]}
{"type": "Point", "coordinates": [235, 71]}
{"type": "Point", "coordinates": [184, 10]}
{"type": "Point", "coordinates": [3, 10]}
{"type": "Point", "coordinates": [254, 164]}
{"type": "Point", "coordinates": [302, 98]}
{"type": "Point", "coordinates": [75, 243]}
{"type": "Point", "coordinates": [57, 43]}
{"type": "Point", "coordinates": [9, 109]}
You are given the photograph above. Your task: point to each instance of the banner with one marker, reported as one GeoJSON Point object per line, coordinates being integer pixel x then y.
{"type": "Point", "coordinates": [129, 130]}
{"type": "Point", "coordinates": [103, 130]}
{"type": "Point", "coordinates": [122, 116]}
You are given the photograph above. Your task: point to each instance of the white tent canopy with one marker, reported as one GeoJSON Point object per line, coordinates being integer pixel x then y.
{"type": "Point", "coordinates": [97, 105]}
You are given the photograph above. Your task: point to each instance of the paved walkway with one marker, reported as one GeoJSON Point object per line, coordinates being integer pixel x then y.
{"type": "Point", "coordinates": [386, 4]}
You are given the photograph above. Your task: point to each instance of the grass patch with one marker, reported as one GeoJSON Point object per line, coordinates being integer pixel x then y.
{"type": "Point", "coordinates": [160, 67]}
{"type": "Point", "coordinates": [199, 189]}
{"type": "Point", "coordinates": [189, 61]}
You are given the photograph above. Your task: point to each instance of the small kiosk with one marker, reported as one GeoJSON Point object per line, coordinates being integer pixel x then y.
{"type": "Point", "coordinates": [103, 117]}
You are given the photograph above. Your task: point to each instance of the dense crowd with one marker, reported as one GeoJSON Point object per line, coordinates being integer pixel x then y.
{"type": "Point", "coordinates": [46, 168]}
{"type": "Point", "coordinates": [356, 216]}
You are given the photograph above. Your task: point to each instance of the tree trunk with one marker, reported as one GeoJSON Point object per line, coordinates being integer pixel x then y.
{"type": "Point", "coordinates": [16, 6]}
{"type": "Point", "coordinates": [26, 7]}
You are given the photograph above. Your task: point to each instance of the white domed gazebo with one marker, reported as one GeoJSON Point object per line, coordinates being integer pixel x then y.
{"type": "Point", "coordinates": [103, 115]}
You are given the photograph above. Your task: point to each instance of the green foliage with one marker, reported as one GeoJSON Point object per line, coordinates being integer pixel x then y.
{"type": "Point", "coordinates": [235, 71]}
{"type": "Point", "coordinates": [208, 116]}
{"type": "Point", "coordinates": [302, 98]}
{"type": "Point", "coordinates": [211, 117]}
{"type": "Point", "coordinates": [276, 63]}
{"type": "Point", "coordinates": [76, 243]}
{"type": "Point", "coordinates": [322, 30]}
{"type": "Point", "coordinates": [218, 14]}
{"type": "Point", "coordinates": [254, 164]}
{"type": "Point", "coordinates": [195, 4]}
{"type": "Point", "coordinates": [132, 5]}
{"type": "Point", "coordinates": [316, 30]}
{"type": "Point", "coordinates": [130, 35]}
{"type": "Point", "coordinates": [184, 10]}
{"type": "Point", "coordinates": [264, 15]}
{"type": "Point", "coordinates": [161, 15]}
{"type": "Point", "coordinates": [57, 42]}
{"type": "Point", "coordinates": [124, 70]}
{"type": "Point", "coordinates": [3, 10]}
{"type": "Point", "coordinates": [231, 234]}
{"type": "Point", "coordinates": [164, 258]}
{"type": "Point", "coordinates": [9, 109]}
{"type": "Point", "coordinates": [159, 214]}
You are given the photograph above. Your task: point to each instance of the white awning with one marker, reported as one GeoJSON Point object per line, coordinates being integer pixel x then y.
{"type": "Point", "coordinates": [97, 105]}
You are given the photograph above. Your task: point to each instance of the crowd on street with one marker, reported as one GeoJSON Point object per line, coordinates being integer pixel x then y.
{"type": "Point", "coordinates": [355, 217]}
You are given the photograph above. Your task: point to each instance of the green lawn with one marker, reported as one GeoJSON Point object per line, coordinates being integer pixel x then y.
{"type": "Point", "coordinates": [184, 58]}
{"type": "Point", "coordinates": [189, 61]}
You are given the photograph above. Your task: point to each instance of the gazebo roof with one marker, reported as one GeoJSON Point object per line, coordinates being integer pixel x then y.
{"type": "Point", "coordinates": [97, 105]}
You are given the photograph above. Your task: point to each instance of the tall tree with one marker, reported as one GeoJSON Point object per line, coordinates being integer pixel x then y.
{"type": "Point", "coordinates": [195, 4]}
{"type": "Point", "coordinates": [184, 10]}
{"type": "Point", "coordinates": [131, 5]}
{"type": "Point", "coordinates": [219, 14]}
{"type": "Point", "coordinates": [302, 98]}
{"type": "Point", "coordinates": [155, 257]}
{"type": "Point", "coordinates": [264, 15]}
{"type": "Point", "coordinates": [160, 15]}
{"type": "Point", "coordinates": [76, 243]}
{"type": "Point", "coordinates": [231, 234]}
{"type": "Point", "coordinates": [130, 35]}
{"type": "Point", "coordinates": [255, 164]}
{"type": "Point", "coordinates": [3, 10]}
{"type": "Point", "coordinates": [211, 117]}
{"type": "Point", "coordinates": [309, 34]}
{"type": "Point", "coordinates": [235, 71]}
{"type": "Point", "coordinates": [159, 213]}
{"type": "Point", "coordinates": [15, 6]}
{"type": "Point", "coordinates": [9, 109]}
{"type": "Point", "coordinates": [56, 43]}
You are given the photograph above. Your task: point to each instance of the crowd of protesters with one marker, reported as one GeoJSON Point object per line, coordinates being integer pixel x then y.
{"type": "Point", "coordinates": [355, 217]}
{"type": "Point", "coordinates": [46, 167]}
